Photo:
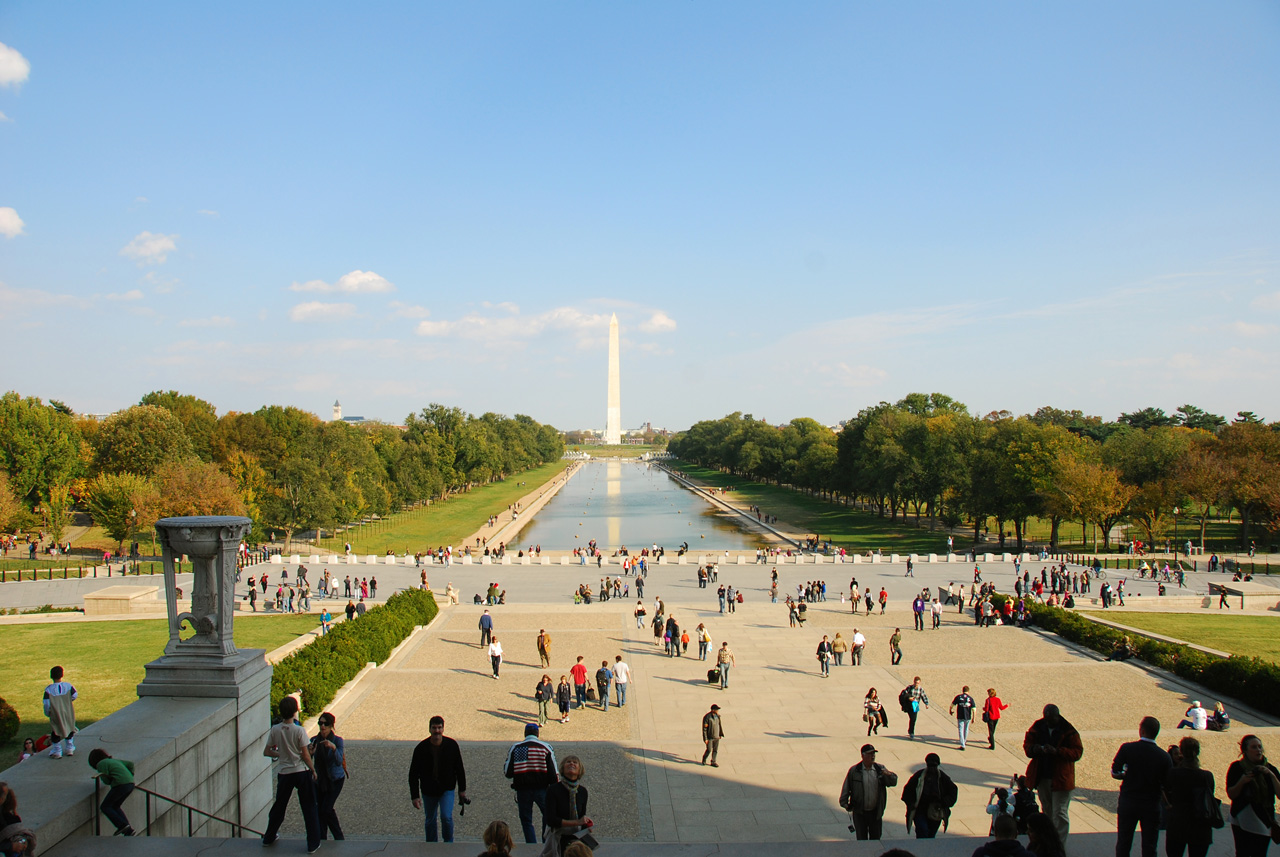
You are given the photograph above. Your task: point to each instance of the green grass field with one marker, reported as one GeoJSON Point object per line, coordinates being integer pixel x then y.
{"type": "Point", "coordinates": [1250, 636]}
{"type": "Point", "coordinates": [849, 528]}
{"type": "Point", "coordinates": [447, 523]}
{"type": "Point", "coordinates": [104, 660]}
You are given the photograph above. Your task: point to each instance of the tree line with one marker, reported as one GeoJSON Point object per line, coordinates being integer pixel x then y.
{"type": "Point", "coordinates": [928, 454]}
{"type": "Point", "coordinates": [173, 454]}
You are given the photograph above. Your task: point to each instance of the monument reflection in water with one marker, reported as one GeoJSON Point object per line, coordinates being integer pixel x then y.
{"type": "Point", "coordinates": [627, 502]}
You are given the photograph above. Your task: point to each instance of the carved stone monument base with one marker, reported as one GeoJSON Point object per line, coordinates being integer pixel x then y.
{"type": "Point", "coordinates": [246, 674]}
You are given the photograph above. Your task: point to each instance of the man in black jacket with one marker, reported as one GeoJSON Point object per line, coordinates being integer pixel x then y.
{"type": "Point", "coordinates": [436, 772]}
{"type": "Point", "coordinates": [865, 794]}
{"type": "Point", "coordinates": [1141, 766]}
{"type": "Point", "coordinates": [531, 767]}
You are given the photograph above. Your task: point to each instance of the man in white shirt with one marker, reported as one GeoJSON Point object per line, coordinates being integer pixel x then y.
{"type": "Point", "coordinates": [287, 744]}
{"type": "Point", "coordinates": [495, 655]}
{"type": "Point", "coordinates": [1196, 717]}
{"type": "Point", "coordinates": [857, 644]}
{"type": "Point", "coordinates": [621, 679]}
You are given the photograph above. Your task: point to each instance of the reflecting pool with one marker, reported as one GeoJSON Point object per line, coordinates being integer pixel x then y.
{"type": "Point", "coordinates": [631, 503]}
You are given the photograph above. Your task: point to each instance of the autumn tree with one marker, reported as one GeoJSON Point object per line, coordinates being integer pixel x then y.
{"type": "Point", "coordinates": [139, 440]}
{"type": "Point", "coordinates": [195, 487]}
{"type": "Point", "coordinates": [122, 504]}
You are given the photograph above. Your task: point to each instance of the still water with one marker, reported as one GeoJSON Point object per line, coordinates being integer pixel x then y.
{"type": "Point", "coordinates": [630, 503]}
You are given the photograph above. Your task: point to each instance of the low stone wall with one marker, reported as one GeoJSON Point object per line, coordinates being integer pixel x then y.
{"type": "Point", "coordinates": [205, 752]}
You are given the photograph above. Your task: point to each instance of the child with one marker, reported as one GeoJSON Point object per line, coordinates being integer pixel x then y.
{"type": "Point", "coordinates": [563, 696]}
{"type": "Point", "coordinates": [59, 706]}
{"type": "Point", "coordinates": [118, 774]}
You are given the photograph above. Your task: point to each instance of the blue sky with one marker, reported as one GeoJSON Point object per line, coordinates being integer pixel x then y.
{"type": "Point", "coordinates": [794, 209]}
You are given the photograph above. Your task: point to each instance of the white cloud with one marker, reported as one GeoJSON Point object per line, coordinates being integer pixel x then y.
{"type": "Point", "coordinates": [150, 248]}
{"type": "Point", "coordinates": [1271, 301]}
{"type": "Point", "coordinates": [1245, 328]}
{"type": "Point", "coordinates": [161, 285]}
{"type": "Point", "coordinates": [141, 200]}
{"type": "Point", "coordinates": [19, 301]}
{"type": "Point", "coordinates": [659, 322]}
{"type": "Point", "coordinates": [208, 212]}
{"type": "Point", "coordinates": [131, 295]}
{"type": "Point", "coordinates": [10, 223]}
{"type": "Point", "coordinates": [14, 67]}
{"type": "Point", "coordinates": [404, 310]}
{"type": "Point", "coordinates": [319, 311]}
{"type": "Point", "coordinates": [211, 321]}
{"type": "Point", "coordinates": [515, 327]}
{"type": "Point", "coordinates": [4, 118]}
{"type": "Point", "coordinates": [860, 375]}
{"type": "Point", "coordinates": [356, 282]}
{"type": "Point", "coordinates": [505, 305]}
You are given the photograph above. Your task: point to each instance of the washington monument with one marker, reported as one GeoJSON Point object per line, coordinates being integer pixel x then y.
{"type": "Point", "coordinates": [613, 421]}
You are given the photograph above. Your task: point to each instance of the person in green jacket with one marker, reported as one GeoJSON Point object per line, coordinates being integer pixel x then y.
{"type": "Point", "coordinates": [118, 774]}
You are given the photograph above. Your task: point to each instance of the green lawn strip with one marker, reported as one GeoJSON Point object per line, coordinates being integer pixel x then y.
{"type": "Point", "coordinates": [105, 660]}
{"type": "Point", "coordinates": [1249, 636]}
{"type": "Point", "coordinates": [442, 523]}
{"type": "Point", "coordinates": [848, 528]}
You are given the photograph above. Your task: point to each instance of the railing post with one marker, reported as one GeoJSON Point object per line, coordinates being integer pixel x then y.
{"type": "Point", "coordinates": [97, 815]}
{"type": "Point", "coordinates": [148, 794]}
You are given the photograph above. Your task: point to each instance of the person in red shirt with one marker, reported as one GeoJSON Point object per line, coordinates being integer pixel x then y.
{"type": "Point", "coordinates": [579, 673]}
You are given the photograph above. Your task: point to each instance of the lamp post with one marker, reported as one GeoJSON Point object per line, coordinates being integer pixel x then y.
{"type": "Point", "coordinates": [133, 528]}
{"type": "Point", "coordinates": [1175, 535]}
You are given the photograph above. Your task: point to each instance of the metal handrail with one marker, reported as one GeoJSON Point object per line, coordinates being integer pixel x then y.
{"type": "Point", "coordinates": [236, 827]}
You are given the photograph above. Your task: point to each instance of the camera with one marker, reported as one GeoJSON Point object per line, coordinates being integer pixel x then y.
{"type": "Point", "coordinates": [463, 803]}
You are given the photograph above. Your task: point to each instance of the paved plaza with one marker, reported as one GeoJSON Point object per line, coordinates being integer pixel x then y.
{"type": "Point", "coordinates": [790, 734]}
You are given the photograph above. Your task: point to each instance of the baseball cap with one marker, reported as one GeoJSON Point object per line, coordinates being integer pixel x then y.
{"type": "Point", "coordinates": [715, 707]}
{"type": "Point", "coordinates": [868, 748]}
{"type": "Point", "coordinates": [531, 729]}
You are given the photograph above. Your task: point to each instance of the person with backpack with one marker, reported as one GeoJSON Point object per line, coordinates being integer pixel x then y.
{"type": "Point", "coordinates": [910, 699]}
{"type": "Point", "coordinates": [1000, 805]}
{"type": "Point", "coordinates": [929, 796]}
{"type": "Point", "coordinates": [1025, 804]}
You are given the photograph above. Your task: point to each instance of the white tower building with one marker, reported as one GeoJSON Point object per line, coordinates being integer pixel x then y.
{"type": "Point", "coordinates": [337, 410]}
{"type": "Point", "coordinates": [613, 419]}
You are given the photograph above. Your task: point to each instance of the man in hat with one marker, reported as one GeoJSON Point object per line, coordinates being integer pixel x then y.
{"type": "Point", "coordinates": [531, 767]}
{"type": "Point", "coordinates": [712, 732]}
{"type": "Point", "coordinates": [865, 794]}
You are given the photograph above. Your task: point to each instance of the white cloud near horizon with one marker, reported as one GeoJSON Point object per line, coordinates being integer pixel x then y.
{"type": "Point", "coordinates": [211, 321]}
{"type": "Point", "coordinates": [356, 282]}
{"type": "Point", "coordinates": [659, 322]}
{"type": "Point", "coordinates": [320, 311]}
{"type": "Point", "coordinates": [14, 67]}
{"type": "Point", "coordinates": [10, 223]}
{"type": "Point", "coordinates": [150, 248]}
{"type": "Point", "coordinates": [404, 310]}
{"type": "Point", "coordinates": [514, 327]}
{"type": "Point", "coordinates": [1266, 302]}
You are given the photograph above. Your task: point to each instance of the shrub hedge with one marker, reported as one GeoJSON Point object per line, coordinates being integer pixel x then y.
{"type": "Point", "coordinates": [1251, 680]}
{"type": "Point", "coordinates": [320, 668]}
{"type": "Point", "coordinates": [8, 721]}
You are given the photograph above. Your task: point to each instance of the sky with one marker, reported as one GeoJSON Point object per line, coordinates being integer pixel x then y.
{"type": "Point", "coordinates": [794, 209]}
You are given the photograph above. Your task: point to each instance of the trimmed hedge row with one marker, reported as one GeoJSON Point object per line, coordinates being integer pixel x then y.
{"type": "Point", "coordinates": [1251, 680]}
{"type": "Point", "coordinates": [320, 668]}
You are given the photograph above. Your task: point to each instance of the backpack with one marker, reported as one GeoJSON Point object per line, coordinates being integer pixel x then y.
{"type": "Point", "coordinates": [1206, 807]}
{"type": "Point", "coordinates": [904, 699]}
{"type": "Point", "coordinates": [1024, 805]}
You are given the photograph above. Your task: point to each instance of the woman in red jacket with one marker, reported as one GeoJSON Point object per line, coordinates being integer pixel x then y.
{"type": "Point", "coordinates": [991, 709]}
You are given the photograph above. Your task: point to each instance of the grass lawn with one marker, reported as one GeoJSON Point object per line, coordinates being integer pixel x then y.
{"type": "Point", "coordinates": [446, 523]}
{"type": "Point", "coordinates": [104, 660]}
{"type": "Point", "coordinates": [845, 527]}
{"type": "Point", "coordinates": [1251, 636]}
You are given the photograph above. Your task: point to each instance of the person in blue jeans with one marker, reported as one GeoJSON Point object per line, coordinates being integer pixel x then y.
{"type": "Point", "coordinates": [435, 774]}
{"type": "Point", "coordinates": [116, 774]}
{"type": "Point", "coordinates": [724, 660]}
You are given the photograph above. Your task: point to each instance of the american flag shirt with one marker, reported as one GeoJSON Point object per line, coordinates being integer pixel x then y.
{"type": "Point", "coordinates": [531, 764]}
